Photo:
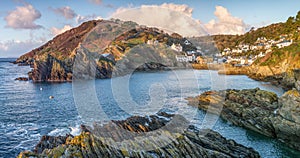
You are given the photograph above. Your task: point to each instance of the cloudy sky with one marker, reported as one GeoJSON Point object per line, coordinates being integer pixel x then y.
{"type": "Point", "coordinates": [27, 24]}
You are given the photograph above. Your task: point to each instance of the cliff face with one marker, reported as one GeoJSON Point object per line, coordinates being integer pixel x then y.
{"type": "Point", "coordinates": [95, 47]}
{"type": "Point", "coordinates": [99, 141]}
{"type": "Point", "coordinates": [62, 45]}
{"type": "Point", "coordinates": [280, 67]}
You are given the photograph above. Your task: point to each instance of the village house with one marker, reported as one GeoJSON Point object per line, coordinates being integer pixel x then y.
{"type": "Point", "coordinates": [261, 40]}
{"type": "Point", "coordinates": [237, 50]}
{"type": "Point", "coordinates": [261, 54]}
{"type": "Point", "coordinates": [186, 42]}
{"type": "Point", "coordinates": [152, 42]}
{"type": "Point", "coordinates": [176, 47]}
{"type": "Point", "coordinates": [226, 51]}
{"type": "Point", "coordinates": [253, 47]}
{"type": "Point", "coordinates": [186, 58]}
{"type": "Point", "coordinates": [244, 48]}
{"type": "Point", "coordinates": [284, 43]}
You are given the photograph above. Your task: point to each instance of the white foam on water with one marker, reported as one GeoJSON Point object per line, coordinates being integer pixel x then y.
{"type": "Point", "coordinates": [59, 132]}
{"type": "Point", "coordinates": [75, 131]}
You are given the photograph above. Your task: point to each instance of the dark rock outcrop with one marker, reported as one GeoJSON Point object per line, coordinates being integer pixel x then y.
{"type": "Point", "coordinates": [189, 143]}
{"type": "Point", "coordinates": [257, 110]}
{"type": "Point", "coordinates": [22, 79]}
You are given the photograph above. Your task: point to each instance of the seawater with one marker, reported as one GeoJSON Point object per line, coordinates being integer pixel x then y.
{"type": "Point", "coordinates": [27, 113]}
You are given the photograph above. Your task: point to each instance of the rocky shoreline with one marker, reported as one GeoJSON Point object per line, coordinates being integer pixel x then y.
{"type": "Point", "coordinates": [257, 110]}
{"type": "Point", "coordinates": [286, 78]}
{"type": "Point", "coordinates": [191, 142]}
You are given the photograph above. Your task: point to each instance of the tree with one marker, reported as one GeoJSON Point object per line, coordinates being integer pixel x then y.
{"type": "Point", "coordinates": [298, 17]}
{"type": "Point", "coordinates": [290, 20]}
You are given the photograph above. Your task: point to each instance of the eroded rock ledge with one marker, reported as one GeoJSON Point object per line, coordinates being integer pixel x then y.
{"type": "Point", "coordinates": [189, 143]}
{"type": "Point", "coordinates": [257, 110]}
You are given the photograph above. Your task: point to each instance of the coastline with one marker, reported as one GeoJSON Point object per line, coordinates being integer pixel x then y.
{"type": "Point", "coordinates": [287, 78]}
{"type": "Point", "coordinates": [257, 110]}
{"type": "Point", "coordinates": [136, 133]}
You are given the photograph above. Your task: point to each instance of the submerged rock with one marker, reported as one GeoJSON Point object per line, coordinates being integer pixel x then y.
{"type": "Point", "coordinates": [257, 110]}
{"type": "Point", "coordinates": [22, 79]}
{"type": "Point", "coordinates": [190, 143]}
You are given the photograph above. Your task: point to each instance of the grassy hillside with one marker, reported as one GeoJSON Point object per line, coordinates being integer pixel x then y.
{"type": "Point", "coordinates": [289, 28]}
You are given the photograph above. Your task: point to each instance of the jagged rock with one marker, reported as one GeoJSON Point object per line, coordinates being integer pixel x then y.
{"type": "Point", "coordinates": [297, 85]}
{"type": "Point", "coordinates": [189, 143]}
{"type": "Point", "coordinates": [287, 124]}
{"type": "Point", "coordinates": [50, 142]}
{"type": "Point", "coordinates": [297, 77]}
{"type": "Point", "coordinates": [258, 110]}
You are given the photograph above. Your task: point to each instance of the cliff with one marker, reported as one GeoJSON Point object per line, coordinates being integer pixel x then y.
{"type": "Point", "coordinates": [102, 46]}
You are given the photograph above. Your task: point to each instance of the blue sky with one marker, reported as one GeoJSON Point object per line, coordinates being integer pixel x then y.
{"type": "Point", "coordinates": [26, 24]}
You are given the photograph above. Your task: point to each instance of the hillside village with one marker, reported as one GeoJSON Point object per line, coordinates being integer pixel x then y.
{"type": "Point", "coordinates": [188, 55]}
{"type": "Point", "coordinates": [241, 55]}
{"type": "Point", "coordinates": [246, 54]}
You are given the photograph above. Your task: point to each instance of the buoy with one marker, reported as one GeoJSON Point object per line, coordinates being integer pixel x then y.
{"type": "Point", "coordinates": [41, 89]}
{"type": "Point", "coordinates": [51, 97]}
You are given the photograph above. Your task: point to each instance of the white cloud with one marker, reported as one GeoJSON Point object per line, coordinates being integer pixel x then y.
{"type": "Point", "coordinates": [23, 17]}
{"type": "Point", "coordinates": [55, 31]}
{"type": "Point", "coordinates": [67, 12]}
{"type": "Point", "coordinates": [14, 48]}
{"type": "Point", "coordinates": [178, 18]}
{"type": "Point", "coordinates": [179, 8]}
{"type": "Point", "coordinates": [171, 17]}
{"type": "Point", "coordinates": [80, 18]}
{"type": "Point", "coordinates": [225, 23]}
{"type": "Point", "coordinates": [96, 1]}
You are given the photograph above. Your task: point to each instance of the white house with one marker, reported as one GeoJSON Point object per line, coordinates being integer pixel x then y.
{"type": "Point", "coordinates": [253, 47]}
{"type": "Point", "coordinates": [186, 42]}
{"type": "Point", "coordinates": [268, 46]}
{"type": "Point", "coordinates": [226, 51]}
{"type": "Point", "coordinates": [261, 54]}
{"type": "Point", "coordinates": [250, 61]}
{"type": "Point", "coordinates": [176, 47]}
{"type": "Point", "coordinates": [185, 58]}
{"type": "Point", "coordinates": [261, 39]}
{"type": "Point", "coordinates": [218, 55]}
{"type": "Point", "coordinates": [237, 50]}
{"type": "Point", "coordinates": [245, 48]}
{"type": "Point", "coordinates": [284, 43]}
{"type": "Point", "coordinates": [268, 51]}
{"type": "Point", "coordinates": [190, 52]}
{"type": "Point", "coordinates": [152, 42]}
{"type": "Point", "coordinates": [243, 61]}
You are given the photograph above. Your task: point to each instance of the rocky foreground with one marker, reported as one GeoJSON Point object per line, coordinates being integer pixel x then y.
{"type": "Point", "coordinates": [133, 135]}
{"type": "Point", "coordinates": [257, 110]}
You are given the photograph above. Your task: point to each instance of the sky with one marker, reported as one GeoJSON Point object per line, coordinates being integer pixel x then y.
{"type": "Point", "coordinates": [27, 24]}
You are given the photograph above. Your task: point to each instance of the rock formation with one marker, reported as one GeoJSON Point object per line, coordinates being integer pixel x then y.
{"type": "Point", "coordinates": [190, 143]}
{"type": "Point", "coordinates": [22, 79]}
{"type": "Point", "coordinates": [257, 110]}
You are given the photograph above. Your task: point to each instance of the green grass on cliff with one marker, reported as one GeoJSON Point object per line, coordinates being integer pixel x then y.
{"type": "Point", "coordinates": [290, 54]}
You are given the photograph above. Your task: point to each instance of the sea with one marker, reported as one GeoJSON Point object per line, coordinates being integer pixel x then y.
{"type": "Point", "coordinates": [27, 111]}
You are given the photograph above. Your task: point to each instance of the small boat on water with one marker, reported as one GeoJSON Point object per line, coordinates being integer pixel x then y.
{"type": "Point", "coordinates": [51, 97]}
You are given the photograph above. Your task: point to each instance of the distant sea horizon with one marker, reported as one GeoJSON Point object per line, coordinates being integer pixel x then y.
{"type": "Point", "coordinates": [8, 59]}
